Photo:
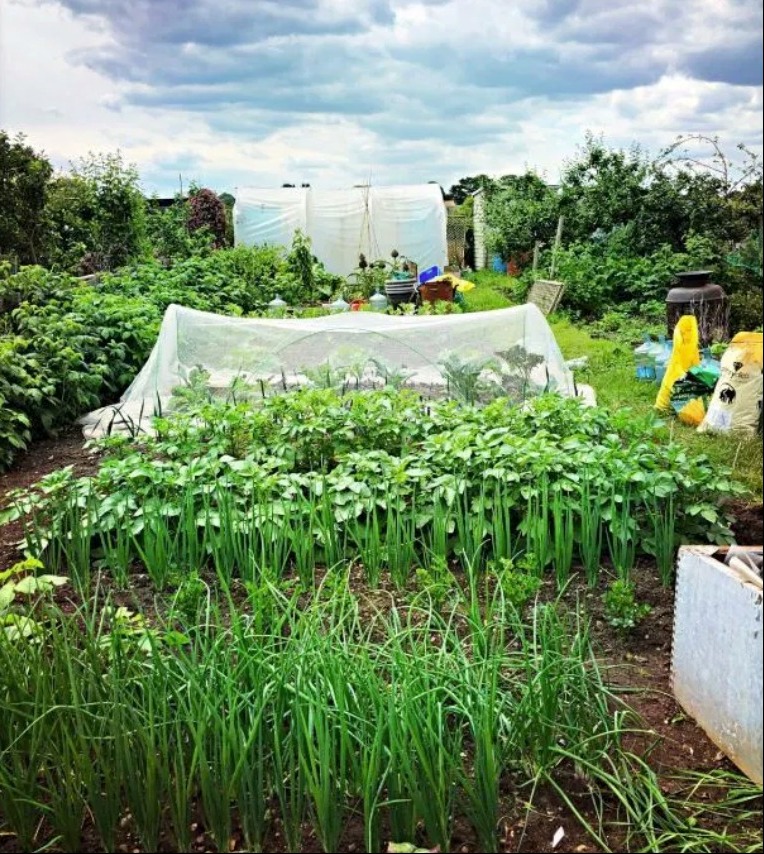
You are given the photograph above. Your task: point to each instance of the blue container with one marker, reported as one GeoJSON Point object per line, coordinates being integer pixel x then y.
{"type": "Point", "coordinates": [429, 273]}
{"type": "Point", "coordinates": [661, 353]}
{"type": "Point", "coordinates": [645, 364]}
{"type": "Point", "coordinates": [498, 265]}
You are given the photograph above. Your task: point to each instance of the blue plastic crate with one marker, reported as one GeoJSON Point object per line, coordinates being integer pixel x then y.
{"type": "Point", "coordinates": [429, 273]}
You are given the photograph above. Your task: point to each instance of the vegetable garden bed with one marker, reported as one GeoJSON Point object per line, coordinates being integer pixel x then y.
{"type": "Point", "coordinates": [203, 682]}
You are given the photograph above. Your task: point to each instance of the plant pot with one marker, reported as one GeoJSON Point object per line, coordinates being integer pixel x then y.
{"type": "Point", "coordinates": [436, 292]}
{"type": "Point", "coordinates": [400, 290]}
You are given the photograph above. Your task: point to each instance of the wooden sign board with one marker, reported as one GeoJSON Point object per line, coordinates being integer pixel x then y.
{"type": "Point", "coordinates": [546, 294]}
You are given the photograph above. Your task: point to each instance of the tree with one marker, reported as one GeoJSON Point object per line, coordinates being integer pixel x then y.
{"type": "Point", "coordinates": [521, 210]}
{"type": "Point", "coordinates": [602, 188]}
{"type": "Point", "coordinates": [467, 186]}
{"type": "Point", "coordinates": [69, 215]}
{"type": "Point", "coordinates": [114, 206]}
{"type": "Point", "coordinates": [721, 187]}
{"type": "Point", "coordinates": [24, 175]}
{"type": "Point", "coordinates": [206, 210]}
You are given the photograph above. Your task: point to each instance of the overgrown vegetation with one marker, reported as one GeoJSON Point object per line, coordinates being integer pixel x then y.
{"type": "Point", "coordinates": [66, 346]}
{"type": "Point", "coordinates": [629, 223]}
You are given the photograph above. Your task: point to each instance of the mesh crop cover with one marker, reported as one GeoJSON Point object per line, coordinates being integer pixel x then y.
{"type": "Point", "coordinates": [474, 357]}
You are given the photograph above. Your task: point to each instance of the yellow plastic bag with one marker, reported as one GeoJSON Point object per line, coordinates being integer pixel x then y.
{"type": "Point", "coordinates": [461, 285]}
{"type": "Point", "coordinates": [684, 355]}
{"type": "Point", "coordinates": [693, 413]}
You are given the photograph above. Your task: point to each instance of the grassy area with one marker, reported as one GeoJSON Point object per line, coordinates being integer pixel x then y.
{"type": "Point", "coordinates": [493, 290]}
{"type": "Point", "coordinates": [611, 373]}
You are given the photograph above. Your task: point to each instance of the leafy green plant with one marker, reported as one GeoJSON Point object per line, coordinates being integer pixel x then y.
{"type": "Point", "coordinates": [463, 377]}
{"type": "Point", "coordinates": [21, 582]}
{"type": "Point", "coordinates": [436, 580]}
{"type": "Point", "coordinates": [517, 583]}
{"type": "Point", "coordinates": [622, 610]}
{"type": "Point", "coordinates": [189, 597]}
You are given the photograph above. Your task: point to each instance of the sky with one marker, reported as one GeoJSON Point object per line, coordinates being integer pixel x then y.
{"type": "Point", "coordinates": [234, 93]}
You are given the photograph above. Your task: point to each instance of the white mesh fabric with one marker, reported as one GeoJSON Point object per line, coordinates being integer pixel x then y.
{"type": "Point", "coordinates": [275, 351]}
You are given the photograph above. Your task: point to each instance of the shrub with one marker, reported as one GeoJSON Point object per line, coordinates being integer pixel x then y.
{"type": "Point", "coordinates": [24, 176]}
{"type": "Point", "coordinates": [746, 309]}
{"type": "Point", "coordinates": [599, 277]}
{"type": "Point", "coordinates": [70, 347]}
{"type": "Point", "coordinates": [110, 201]}
{"type": "Point", "coordinates": [207, 211]}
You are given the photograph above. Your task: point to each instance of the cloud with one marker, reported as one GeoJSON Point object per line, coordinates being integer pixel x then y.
{"type": "Point", "coordinates": [411, 90]}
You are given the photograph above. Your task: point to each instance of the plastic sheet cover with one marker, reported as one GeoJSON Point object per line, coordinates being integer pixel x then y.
{"type": "Point", "coordinates": [344, 223]}
{"type": "Point", "coordinates": [510, 352]}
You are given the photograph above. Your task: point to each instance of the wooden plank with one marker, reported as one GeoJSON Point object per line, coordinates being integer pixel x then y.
{"type": "Point", "coordinates": [546, 294]}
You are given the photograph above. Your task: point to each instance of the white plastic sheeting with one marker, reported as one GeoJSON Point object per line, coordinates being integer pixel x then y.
{"type": "Point", "coordinates": [344, 223]}
{"type": "Point", "coordinates": [363, 347]}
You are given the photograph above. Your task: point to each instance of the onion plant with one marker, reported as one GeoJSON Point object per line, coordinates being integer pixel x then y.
{"type": "Point", "coordinates": [536, 525]}
{"type": "Point", "coordinates": [590, 530]}
{"type": "Point", "coordinates": [622, 531]}
{"type": "Point", "coordinates": [564, 533]}
{"type": "Point", "coordinates": [663, 517]}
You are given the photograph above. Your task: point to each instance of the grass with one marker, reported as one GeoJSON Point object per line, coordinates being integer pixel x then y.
{"type": "Point", "coordinates": [611, 373]}
{"type": "Point", "coordinates": [491, 292]}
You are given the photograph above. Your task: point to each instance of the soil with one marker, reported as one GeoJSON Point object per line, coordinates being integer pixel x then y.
{"type": "Point", "coordinates": [43, 457]}
{"type": "Point", "coordinates": [638, 666]}
{"type": "Point", "coordinates": [749, 523]}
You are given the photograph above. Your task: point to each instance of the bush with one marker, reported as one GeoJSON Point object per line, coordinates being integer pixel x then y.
{"type": "Point", "coordinates": [169, 237]}
{"type": "Point", "coordinates": [746, 308]}
{"type": "Point", "coordinates": [69, 347]}
{"type": "Point", "coordinates": [598, 278]}
{"type": "Point", "coordinates": [206, 211]}
{"type": "Point", "coordinates": [24, 176]}
{"type": "Point", "coordinates": [94, 217]}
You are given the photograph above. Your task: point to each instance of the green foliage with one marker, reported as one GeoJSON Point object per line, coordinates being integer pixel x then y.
{"type": "Point", "coordinates": [19, 584]}
{"type": "Point", "coordinates": [630, 223]}
{"type": "Point", "coordinates": [292, 714]}
{"type": "Point", "coordinates": [69, 218]}
{"type": "Point", "coordinates": [189, 597]}
{"type": "Point", "coordinates": [24, 176]}
{"type": "Point", "coordinates": [517, 580]}
{"type": "Point", "coordinates": [169, 236]}
{"type": "Point", "coordinates": [68, 347]}
{"type": "Point", "coordinates": [600, 275]}
{"type": "Point", "coordinates": [109, 200]}
{"type": "Point", "coordinates": [436, 580]}
{"type": "Point", "coordinates": [622, 610]}
{"type": "Point", "coordinates": [521, 210]}
{"type": "Point", "coordinates": [746, 310]}
{"type": "Point", "coordinates": [381, 477]}
{"type": "Point", "coordinates": [466, 187]}
{"type": "Point", "coordinates": [207, 212]}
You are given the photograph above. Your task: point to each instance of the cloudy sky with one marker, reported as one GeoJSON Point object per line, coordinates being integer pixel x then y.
{"type": "Point", "coordinates": [260, 92]}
